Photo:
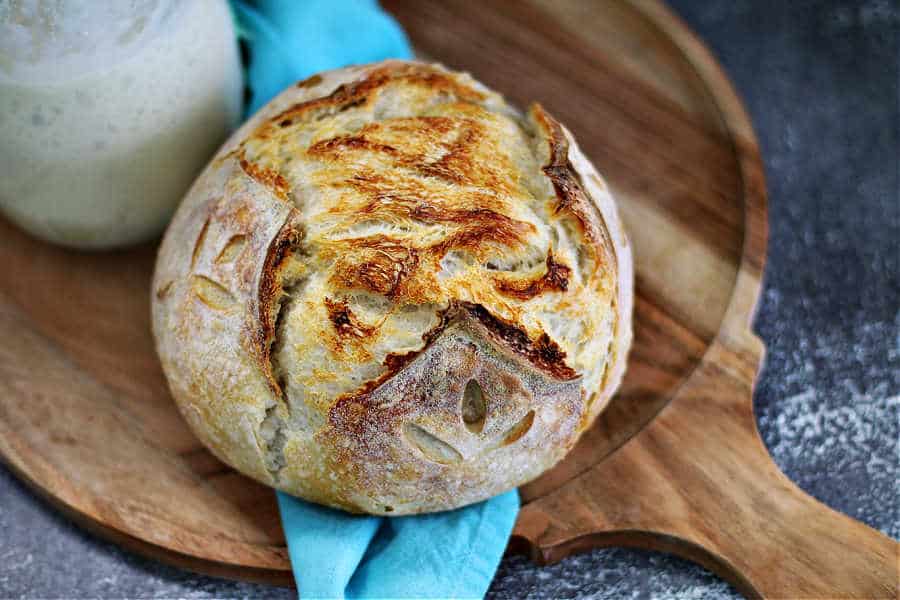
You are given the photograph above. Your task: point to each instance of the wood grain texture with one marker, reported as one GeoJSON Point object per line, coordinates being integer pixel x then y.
{"type": "Point", "coordinates": [674, 464]}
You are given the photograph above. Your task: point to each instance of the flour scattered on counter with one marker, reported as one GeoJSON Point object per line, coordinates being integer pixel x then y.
{"type": "Point", "coordinates": [808, 426]}
{"type": "Point", "coordinates": [609, 573]}
{"type": "Point", "coordinates": [832, 423]}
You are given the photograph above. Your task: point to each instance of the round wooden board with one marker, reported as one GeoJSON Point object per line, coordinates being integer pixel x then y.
{"type": "Point", "coordinates": [87, 421]}
{"type": "Point", "coordinates": [85, 415]}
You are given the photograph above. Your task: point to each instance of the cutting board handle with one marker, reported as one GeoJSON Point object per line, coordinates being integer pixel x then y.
{"type": "Point", "coordinates": [699, 482]}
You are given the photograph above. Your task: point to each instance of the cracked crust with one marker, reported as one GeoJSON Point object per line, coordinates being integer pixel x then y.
{"type": "Point", "coordinates": [392, 293]}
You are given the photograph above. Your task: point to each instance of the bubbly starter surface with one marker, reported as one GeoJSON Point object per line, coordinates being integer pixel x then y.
{"type": "Point", "coordinates": [108, 111]}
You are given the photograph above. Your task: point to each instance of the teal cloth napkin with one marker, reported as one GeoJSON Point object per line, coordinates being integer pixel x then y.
{"type": "Point", "coordinates": [453, 554]}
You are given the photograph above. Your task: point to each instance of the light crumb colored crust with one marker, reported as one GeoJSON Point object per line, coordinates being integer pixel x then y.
{"type": "Point", "coordinates": [392, 293]}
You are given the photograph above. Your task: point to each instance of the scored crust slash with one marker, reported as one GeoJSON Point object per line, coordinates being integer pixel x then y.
{"type": "Point", "coordinates": [415, 296]}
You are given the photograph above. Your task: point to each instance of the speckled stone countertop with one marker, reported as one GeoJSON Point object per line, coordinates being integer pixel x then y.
{"type": "Point", "coordinates": [820, 79]}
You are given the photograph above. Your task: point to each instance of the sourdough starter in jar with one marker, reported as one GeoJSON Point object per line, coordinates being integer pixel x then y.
{"type": "Point", "coordinates": [108, 110]}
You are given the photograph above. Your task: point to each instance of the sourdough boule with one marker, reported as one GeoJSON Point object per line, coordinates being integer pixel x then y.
{"type": "Point", "coordinates": [391, 292]}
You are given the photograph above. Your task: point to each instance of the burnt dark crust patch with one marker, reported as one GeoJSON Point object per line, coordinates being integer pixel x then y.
{"type": "Point", "coordinates": [543, 354]}
{"type": "Point", "coordinates": [352, 142]}
{"type": "Point", "coordinates": [269, 295]}
{"type": "Point", "coordinates": [554, 279]}
{"type": "Point", "coordinates": [570, 194]}
{"type": "Point", "coordinates": [345, 323]}
{"type": "Point", "coordinates": [396, 361]}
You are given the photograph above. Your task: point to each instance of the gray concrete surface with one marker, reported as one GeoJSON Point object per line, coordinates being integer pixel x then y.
{"type": "Point", "coordinates": [820, 79]}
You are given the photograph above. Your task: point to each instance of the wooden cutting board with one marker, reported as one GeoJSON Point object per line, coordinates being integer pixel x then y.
{"type": "Point", "coordinates": [675, 463]}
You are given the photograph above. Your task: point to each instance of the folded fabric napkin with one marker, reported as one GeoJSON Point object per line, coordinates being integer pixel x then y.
{"type": "Point", "coordinates": [452, 554]}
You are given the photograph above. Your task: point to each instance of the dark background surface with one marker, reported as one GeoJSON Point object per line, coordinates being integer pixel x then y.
{"type": "Point", "coordinates": [820, 80]}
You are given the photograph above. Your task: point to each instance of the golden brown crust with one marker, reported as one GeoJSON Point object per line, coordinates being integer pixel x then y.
{"type": "Point", "coordinates": [380, 265]}
{"type": "Point", "coordinates": [359, 92]}
{"type": "Point", "coordinates": [267, 177]}
{"type": "Point", "coordinates": [372, 244]}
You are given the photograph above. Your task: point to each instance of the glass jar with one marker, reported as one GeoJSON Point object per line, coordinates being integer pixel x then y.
{"type": "Point", "coordinates": [108, 111]}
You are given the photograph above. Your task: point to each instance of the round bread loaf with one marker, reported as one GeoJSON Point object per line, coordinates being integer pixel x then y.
{"type": "Point", "coordinates": [392, 293]}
